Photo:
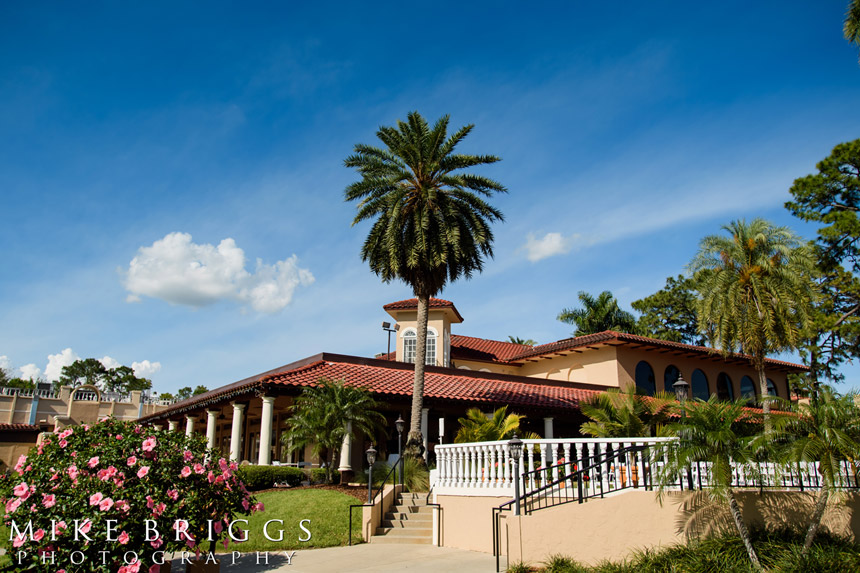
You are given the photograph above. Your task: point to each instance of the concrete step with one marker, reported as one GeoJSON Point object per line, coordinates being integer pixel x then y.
{"type": "Point", "coordinates": [410, 517]}
{"type": "Point", "coordinates": [407, 524]}
{"type": "Point", "coordinates": [408, 533]}
{"type": "Point", "coordinates": [401, 540]}
{"type": "Point", "coordinates": [410, 509]}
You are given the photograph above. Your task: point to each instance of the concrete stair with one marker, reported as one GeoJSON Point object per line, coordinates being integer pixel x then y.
{"type": "Point", "coordinates": [409, 520]}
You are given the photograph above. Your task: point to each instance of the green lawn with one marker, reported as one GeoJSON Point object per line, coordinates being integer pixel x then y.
{"type": "Point", "coordinates": [328, 512]}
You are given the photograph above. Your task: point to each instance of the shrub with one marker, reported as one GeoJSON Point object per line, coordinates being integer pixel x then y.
{"type": "Point", "coordinates": [318, 475]}
{"type": "Point", "coordinates": [265, 477]}
{"type": "Point", "coordinates": [112, 478]}
{"type": "Point", "coordinates": [380, 470]}
{"type": "Point", "coordinates": [519, 567]}
{"type": "Point", "coordinates": [562, 564]}
{"type": "Point", "coordinates": [416, 476]}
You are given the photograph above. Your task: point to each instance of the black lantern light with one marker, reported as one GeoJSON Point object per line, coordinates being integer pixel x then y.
{"type": "Point", "coordinates": [515, 450]}
{"type": "Point", "coordinates": [400, 425]}
{"type": "Point", "coordinates": [371, 459]}
{"type": "Point", "coordinates": [681, 388]}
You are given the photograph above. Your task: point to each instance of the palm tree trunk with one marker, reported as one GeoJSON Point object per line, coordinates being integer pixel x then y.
{"type": "Point", "coordinates": [415, 441]}
{"type": "Point", "coordinates": [765, 396]}
{"type": "Point", "coordinates": [817, 515]}
{"type": "Point", "coordinates": [743, 531]}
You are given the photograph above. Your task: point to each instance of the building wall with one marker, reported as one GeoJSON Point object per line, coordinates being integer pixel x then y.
{"type": "Point", "coordinates": [613, 527]}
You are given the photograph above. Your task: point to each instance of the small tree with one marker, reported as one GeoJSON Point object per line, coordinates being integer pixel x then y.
{"type": "Point", "coordinates": [477, 427]}
{"type": "Point", "coordinates": [616, 414]}
{"type": "Point", "coordinates": [711, 432]}
{"type": "Point", "coordinates": [827, 433]}
{"type": "Point", "coordinates": [324, 414]}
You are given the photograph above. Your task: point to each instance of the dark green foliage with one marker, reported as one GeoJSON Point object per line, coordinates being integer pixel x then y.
{"type": "Point", "coordinates": [851, 28]}
{"type": "Point", "coordinates": [779, 550]}
{"type": "Point", "coordinates": [265, 477]}
{"type": "Point", "coordinates": [92, 372]}
{"type": "Point", "coordinates": [561, 564]}
{"type": "Point", "coordinates": [186, 392]}
{"type": "Point", "coordinates": [598, 314]}
{"type": "Point", "coordinates": [832, 197]}
{"type": "Point", "coordinates": [519, 567]}
{"type": "Point", "coordinates": [523, 341]}
{"type": "Point", "coordinates": [670, 313]}
{"type": "Point", "coordinates": [319, 475]}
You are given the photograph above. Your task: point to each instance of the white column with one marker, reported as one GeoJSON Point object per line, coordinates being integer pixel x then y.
{"type": "Point", "coordinates": [265, 457]}
{"type": "Point", "coordinates": [211, 420]}
{"type": "Point", "coordinates": [236, 432]}
{"type": "Point", "coordinates": [172, 425]}
{"type": "Point", "coordinates": [425, 429]}
{"type": "Point", "coordinates": [158, 427]}
{"type": "Point", "coordinates": [345, 450]}
{"type": "Point", "coordinates": [547, 429]}
{"type": "Point", "coordinates": [189, 425]}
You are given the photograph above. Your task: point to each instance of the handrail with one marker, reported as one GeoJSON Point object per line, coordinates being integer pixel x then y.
{"type": "Point", "coordinates": [438, 508]}
{"type": "Point", "coordinates": [372, 494]}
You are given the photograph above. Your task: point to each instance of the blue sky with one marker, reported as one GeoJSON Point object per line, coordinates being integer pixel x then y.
{"type": "Point", "coordinates": [136, 139]}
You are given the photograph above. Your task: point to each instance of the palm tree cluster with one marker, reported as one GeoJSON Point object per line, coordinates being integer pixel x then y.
{"type": "Point", "coordinates": [598, 314]}
{"type": "Point", "coordinates": [478, 427]}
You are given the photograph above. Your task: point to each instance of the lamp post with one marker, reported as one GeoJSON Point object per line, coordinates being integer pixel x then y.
{"type": "Point", "coordinates": [400, 425]}
{"type": "Point", "coordinates": [386, 326]}
{"type": "Point", "coordinates": [371, 459]}
{"type": "Point", "coordinates": [681, 388]}
{"type": "Point", "coordinates": [515, 450]}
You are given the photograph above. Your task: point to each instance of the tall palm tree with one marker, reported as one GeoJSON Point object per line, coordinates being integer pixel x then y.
{"type": "Point", "coordinates": [852, 22]}
{"type": "Point", "coordinates": [617, 414]}
{"type": "Point", "coordinates": [322, 415]}
{"type": "Point", "coordinates": [431, 224]}
{"type": "Point", "coordinates": [523, 341]}
{"type": "Point", "coordinates": [710, 432]}
{"type": "Point", "coordinates": [757, 294]}
{"type": "Point", "coordinates": [598, 314]}
{"type": "Point", "coordinates": [827, 433]}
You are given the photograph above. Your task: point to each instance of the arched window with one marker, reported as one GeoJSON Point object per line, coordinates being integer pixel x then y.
{"type": "Point", "coordinates": [670, 376]}
{"type": "Point", "coordinates": [410, 341]}
{"type": "Point", "coordinates": [699, 385]}
{"type": "Point", "coordinates": [748, 388]}
{"type": "Point", "coordinates": [771, 388]}
{"type": "Point", "coordinates": [410, 344]}
{"type": "Point", "coordinates": [645, 382]}
{"type": "Point", "coordinates": [724, 387]}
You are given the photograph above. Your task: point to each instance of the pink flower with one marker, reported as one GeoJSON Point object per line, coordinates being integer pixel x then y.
{"type": "Point", "coordinates": [13, 505]}
{"type": "Point", "coordinates": [150, 502]}
{"type": "Point", "coordinates": [226, 542]}
{"type": "Point", "coordinates": [96, 498]}
{"type": "Point", "coordinates": [85, 528]}
{"type": "Point", "coordinates": [199, 469]}
{"type": "Point", "coordinates": [19, 540]}
{"type": "Point", "coordinates": [156, 543]}
{"type": "Point", "coordinates": [119, 436]}
{"type": "Point", "coordinates": [123, 538]}
{"type": "Point", "coordinates": [143, 471]}
{"type": "Point", "coordinates": [187, 456]}
{"type": "Point", "coordinates": [103, 475]}
{"type": "Point", "coordinates": [156, 568]}
{"type": "Point", "coordinates": [21, 461]}
{"type": "Point", "coordinates": [186, 471]}
{"type": "Point", "coordinates": [190, 543]}
{"type": "Point", "coordinates": [49, 500]}
{"type": "Point", "coordinates": [94, 461]}
{"type": "Point", "coordinates": [159, 509]}
{"type": "Point", "coordinates": [149, 444]}
{"type": "Point", "coordinates": [217, 527]}
{"type": "Point", "coordinates": [133, 567]}
{"type": "Point", "coordinates": [131, 461]}
{"type": "Point", "coordinates": [73, 472]}
{"type": "Point", "coordinates": [106, 504]}
{"type": "Point", "coordinates": [123, 506]}
{"type": "Point", "coordinates": [63, 443]}
{"type": "Point", "coordinates": [245, 504]}
{"type": "Point", "coordinates": [259, 507]}
{"type": "Point", "coordinates": [22, 490]}
{"type": "Point", "coordinates": [59, 527]}
{"type": "Point", "coordinates": [173, 494]}
{"type": "Point", "coordinates": [39, 534]}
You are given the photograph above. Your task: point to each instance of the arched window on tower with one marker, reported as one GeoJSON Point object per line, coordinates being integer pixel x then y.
{"type": "Point", "coordinates": [670, 376]}
{"type": "Point", "coordinates": [410, 345]}
{"type": "Point", "coordinates": [699, 385]}
{"type": "Point", "coordinates": [724, 387]}
{"type": "Point", "coordinates": [645, 382]}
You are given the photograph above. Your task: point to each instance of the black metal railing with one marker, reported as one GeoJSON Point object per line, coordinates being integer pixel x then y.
{"type": "Point", "coordinates": [572, 487]}
{"type": "Point", "coordinates": [394, 475]}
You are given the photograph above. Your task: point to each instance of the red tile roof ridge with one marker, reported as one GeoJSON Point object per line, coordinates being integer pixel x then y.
{"type": "Point", "coordinates": [410, 303]}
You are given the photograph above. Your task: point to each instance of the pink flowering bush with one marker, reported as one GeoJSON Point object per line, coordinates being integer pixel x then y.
{"type": "Point", "coordinates": [103, 482]}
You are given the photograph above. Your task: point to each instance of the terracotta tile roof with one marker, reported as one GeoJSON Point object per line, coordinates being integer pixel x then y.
{"type": "Point", "coordinates": [471, 348]}
{"type": "Point", "coordinates": [390, 378]}
{"type": "Point", "coordinates": [18, 428]}
{"type": "Point", "coordinates": [624, 338]}
{"type": "Point", "coordinates": [412, 304]}
{"type": "Point", "coordinates": [441, 383]}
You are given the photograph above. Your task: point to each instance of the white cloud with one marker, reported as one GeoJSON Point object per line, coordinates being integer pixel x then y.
{"type": "Point", "coordinates": [4, 363]}
{"type": "Point", "coordinates": [179, 271]}
{"type": "Point", "coordinates": [109, 362]}
{"type": "Point", "coordinates": [57, 361]}
{"type": "Point", "coordinates": [145, 368]}
{"type": "Point", "coordinates": [30, 372]}
{"type": "Point", "coordinates": [550, 245]}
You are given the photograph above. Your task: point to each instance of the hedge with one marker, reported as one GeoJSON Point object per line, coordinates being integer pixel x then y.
{"type": "Point", "coordinates": [265, 477]}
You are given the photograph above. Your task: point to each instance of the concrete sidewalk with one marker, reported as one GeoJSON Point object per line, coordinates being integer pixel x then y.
{"type": "Point", "coordinates": [365, 557]}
